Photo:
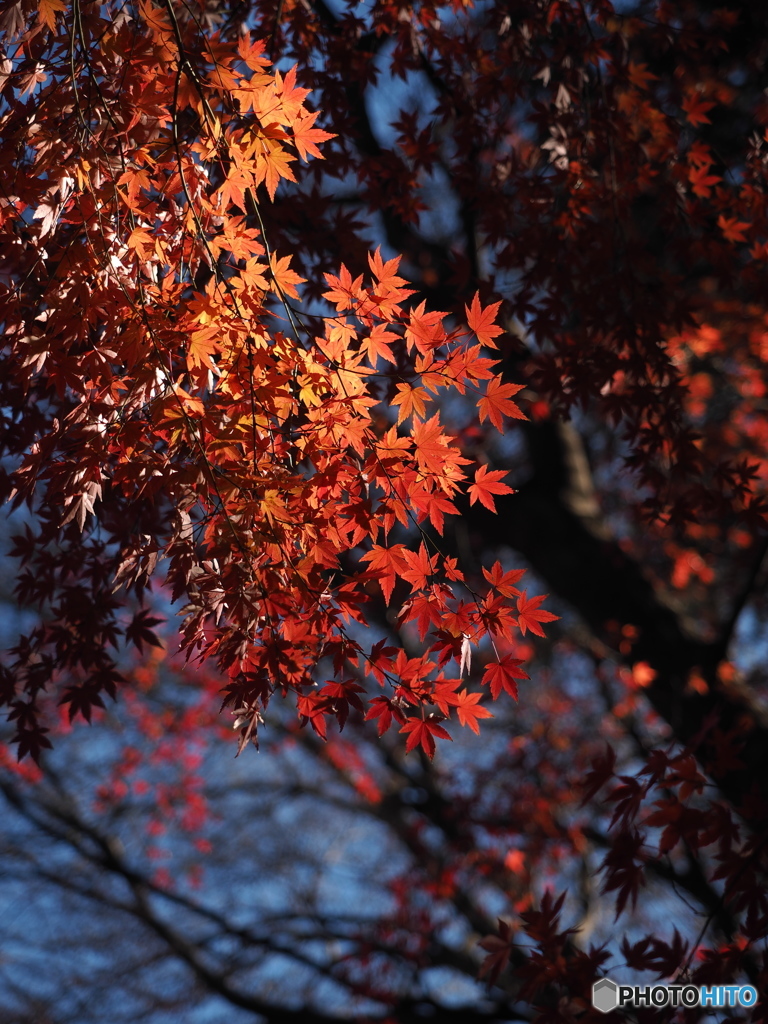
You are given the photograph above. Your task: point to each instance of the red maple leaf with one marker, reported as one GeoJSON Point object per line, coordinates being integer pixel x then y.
{"type": "Point", "coordinates": [422, 733]}
{"type": "Point", "coordinates": [418, 568]}
{"type": "Point", "coordinates": [387, 562]}
{"type": "Point", "coordinates": [696, 108]}
{"type": "Point", "coordinates": [530, 616]}
{"type": "Point", "coordinates": [498, 947]}
{"type": "Point", "coordinates": [732, 228]}
{"type": "Point", "coordinates": [504, 581]}
{"type": "Point", "coordinates": [702, 181]}
{"type": "Point", "coordinates": [503, 675]}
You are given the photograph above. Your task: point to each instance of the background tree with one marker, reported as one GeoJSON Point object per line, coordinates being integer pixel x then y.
{"type": "Point", "coordinates": [600, 173]}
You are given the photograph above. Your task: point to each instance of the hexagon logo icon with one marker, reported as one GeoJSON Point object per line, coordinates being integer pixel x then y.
{"type": "Point", "coordinates": [605, 995]}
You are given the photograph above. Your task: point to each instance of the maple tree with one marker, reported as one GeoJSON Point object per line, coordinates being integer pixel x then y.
{"type": "Point", "coordinates": [275, 278]}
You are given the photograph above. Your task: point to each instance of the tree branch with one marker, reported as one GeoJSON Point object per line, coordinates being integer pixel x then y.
{"type": "Point", "coordinates": [554, 522]}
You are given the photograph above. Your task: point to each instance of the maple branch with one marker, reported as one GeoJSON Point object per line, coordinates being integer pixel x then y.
{"type": "Point", "coordinates": [554, 521]}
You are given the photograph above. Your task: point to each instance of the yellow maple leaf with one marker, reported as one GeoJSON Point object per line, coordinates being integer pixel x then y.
{"type": "Point", "coordinates": [47, 11]}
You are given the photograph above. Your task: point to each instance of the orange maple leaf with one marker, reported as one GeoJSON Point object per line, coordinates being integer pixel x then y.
{"type": "Point", "coordinates": [344, 291]}
{"type": "Point", "coordinates": [436, 506]}
{"type": "Point", "coordinates": [487, 483]}
{"type": "Point", "coordinates": [48, 9]}
{"type": "Point", "coordinates": [284, 281]}
{"type": "Point", "coordinates": [470, 710]}
{"type": "Point", "coordinates": [496, 403]}
{"type": "Point", "coordinates": [410, 400]}
{"type": "Point", "coordinates": [272, 165]}
{"type": "Point", "coordinates": [306, 137]}
{"type": "Point", "coordinates": [481, 321]}
{"type": "Point", "coordinates": [377, 344]}
{"type": "Point", "coordinates": [291, 96]}
{"type": "Point", "coordinates": [251, 52]}
{"type": "Point", "coordinates": [385, 273]}
{"type": "Point", "coordinates": [430, 444]}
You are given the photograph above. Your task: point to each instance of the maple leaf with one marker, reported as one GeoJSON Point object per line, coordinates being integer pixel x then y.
{"type": "Point", "coordinates": [487, 483]}
{"type": "Point", "coordinates": [444, 695]}
{"type": "Point", "coordinates": [341, 696]}
{"type": "Point", "coordinates": [430, 443]}
{"type": "Point", "coordinates": [233, 189]}
{"type": "Point", "coordinates": [291, 96]}
{"type": "Point", "coordinates": [732, 228]}
{"type": "Point", "coordinates": [424, 610]}
{"type": "Point", "coordinates": [700, 155]}
{"type": "Point", "coordinates": [344, 291]}
{"type": "Point", "coordinates": [422, 732]}
{"type": "Point", "coordinates": [139, 630]}
{"type": "Point", "coordinates": [388, 563]}
{"type": "Point", "coordinates": [434, 505]}
{"type": "Point", "coordinates": [499, 948]}
{"type": "Point", "coordinates": [306, 137]}
{"type": "Point", "coordinates": [385, 273]}
{"type": "Point", "coordinates": [602, 769]}
{"type": "Point", "coordinates": [496, 403]}
{"type": "Point", "coordinates": [203, 346]}
{"type": "Point", "coordinates": [385, 710]}
{"type": "Point", "coordinates": [141, 240]}
{"type": "Point", "coordinates": [504, 581]}
{"type": "Point", "coordinates": [640, 76]}
{"type": "Point", "coordinates": [451, 569]}
{"type": "Point", "coordinates": [272, 165]}
{"type": "Point", "coordinates": [418, 567]}
{"type": "Point", "coordinates": [284, 280]}
{"type": "Point", "coordinates": [425, 330]}
{"type": "Point", "coordinates": [503, 675]}
{"type": "Point", "coordinates": [412, 400]}
{"type": "Point", "coordinates": [470, 710]}
{"type": "Point", "coordinates": [136, 179]}
{"type": "Point", "coordinates": [81, 700]}
{"type": "Point", "coordinates": [530, 616]}
{"type": "Point", "coordinates": [696, 107]}
{"type": "Point", "coordinates": [156, 19]}
{"type": "Point", "coordinates": [48, 9]}
{"type": "Point", "coordinates": [482, 321]}
{"type": "Point", "coordinates": [251, 52]}
{"type": "Point", "coordinates": [701, 181]}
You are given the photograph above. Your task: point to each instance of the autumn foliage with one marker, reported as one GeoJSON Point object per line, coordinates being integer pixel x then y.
{"type": "Point", "coordinates": [336, 337]}
{"type": "Point", "coordinates": [208, 424]}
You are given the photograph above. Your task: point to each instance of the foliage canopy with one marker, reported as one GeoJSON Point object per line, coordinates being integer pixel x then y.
{"type": "Point", "coordinates": [327, 322]}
